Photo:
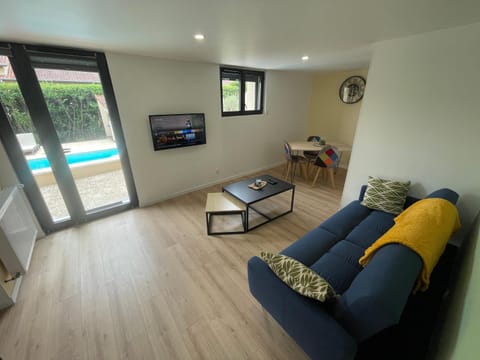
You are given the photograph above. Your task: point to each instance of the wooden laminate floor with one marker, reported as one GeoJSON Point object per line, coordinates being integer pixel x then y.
{"type": "Point", "coordinates": [150, 284]}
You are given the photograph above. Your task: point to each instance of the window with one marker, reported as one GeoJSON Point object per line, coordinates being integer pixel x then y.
{"type": "Point", "coordinates": [242, 91]}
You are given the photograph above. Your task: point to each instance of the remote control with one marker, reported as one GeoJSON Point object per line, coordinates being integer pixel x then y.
{"type": "Point", "coordinates": [271, 181]}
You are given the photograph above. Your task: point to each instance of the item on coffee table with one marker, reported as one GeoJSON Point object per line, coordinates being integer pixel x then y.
{"type": "Point", "coordinates": [258, 184]}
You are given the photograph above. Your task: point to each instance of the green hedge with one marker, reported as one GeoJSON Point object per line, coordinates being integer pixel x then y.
{"type": "Point", "coordinates": [231, 96]}
{"type": "Point", "coordinates": [73, 108]}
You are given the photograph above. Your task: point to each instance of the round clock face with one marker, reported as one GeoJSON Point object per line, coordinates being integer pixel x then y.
{"type": "Point", "coordinates": [352, 89]}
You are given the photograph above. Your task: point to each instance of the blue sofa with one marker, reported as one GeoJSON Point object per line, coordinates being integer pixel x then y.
{"type": "Point", "coordinates": [371, 298]}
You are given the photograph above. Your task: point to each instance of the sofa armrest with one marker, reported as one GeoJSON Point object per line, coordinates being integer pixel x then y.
{"type": "Point", "coordinates": [377, 296]}
{"type": "Point", "coordinates": [444, 193]}
{"type": "Point", "coordinates": [307, 321]}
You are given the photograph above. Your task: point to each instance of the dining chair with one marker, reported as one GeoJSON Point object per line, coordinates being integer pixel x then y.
{"type": "Point", "coordinates": [292, 161]}
{"type": "Point", "coordinates": [327, 160]}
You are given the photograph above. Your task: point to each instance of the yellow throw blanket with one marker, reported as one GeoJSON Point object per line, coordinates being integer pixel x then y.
{"type": "Point", "coordinates": [424, 227]}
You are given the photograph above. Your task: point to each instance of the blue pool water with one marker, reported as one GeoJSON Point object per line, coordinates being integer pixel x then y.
{"type": "Point", "coordinates": [42, 163]}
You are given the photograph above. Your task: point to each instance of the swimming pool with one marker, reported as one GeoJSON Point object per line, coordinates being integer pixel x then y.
{"type": "Point", "coordinates": [42, 163]}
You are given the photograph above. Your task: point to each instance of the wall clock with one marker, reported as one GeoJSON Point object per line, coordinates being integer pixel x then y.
{"type": "Point", "coordinates": [352, 89]}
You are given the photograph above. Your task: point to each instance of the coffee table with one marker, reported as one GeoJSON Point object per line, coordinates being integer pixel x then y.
{"type": "Point", "coordinates": [242, 192]}
{"type": "Point", "coordinates": [223, 204]}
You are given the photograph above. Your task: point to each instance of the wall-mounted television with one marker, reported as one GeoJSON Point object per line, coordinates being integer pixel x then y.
{"type": "Point", "coordinates": [177, 130]}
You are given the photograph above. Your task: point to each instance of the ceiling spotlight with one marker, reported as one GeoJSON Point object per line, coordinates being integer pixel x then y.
{"type": "Point", "coordinates": [199, 36]}
{"type": "Point", "coordinates": [305, 58]}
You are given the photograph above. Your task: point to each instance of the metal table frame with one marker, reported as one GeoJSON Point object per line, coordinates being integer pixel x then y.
{"type": "Point", "coordinates": [250, 203]}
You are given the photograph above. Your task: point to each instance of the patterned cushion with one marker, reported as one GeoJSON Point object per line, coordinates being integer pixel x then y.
{"type": "Point", "coordinates": [299, 277]}
{"type": "Point", "coordinates": [328, 157]}
{"type": "Point", "coordinates": [385, 195]}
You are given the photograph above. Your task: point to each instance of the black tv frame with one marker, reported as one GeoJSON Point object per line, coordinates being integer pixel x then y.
{"type": "Point", "coordinates": [174, 138]}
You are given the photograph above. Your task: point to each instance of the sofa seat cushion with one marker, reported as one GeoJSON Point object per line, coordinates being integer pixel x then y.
{"type": "Point", "coordinates": [371, 228]}
{"type": "Point", "coordinates": [333, 249]}
{"type": "Point", "coordinates": [339, 265]}
{"type": "Point", "coordinates": [343, 221]}
{"type": "Point", "coordinates": [311, 246]}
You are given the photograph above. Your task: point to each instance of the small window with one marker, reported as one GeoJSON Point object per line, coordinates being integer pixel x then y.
{"type": "Point", "coordinates": [242, 91]}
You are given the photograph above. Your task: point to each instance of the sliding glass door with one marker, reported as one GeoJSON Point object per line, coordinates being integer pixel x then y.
{"type": "Point", "coordinates": [77, 107]}
{"type": "Point", "coordinates": [16, 112]}
{"type": "Point", "coordinates": [60, 127]}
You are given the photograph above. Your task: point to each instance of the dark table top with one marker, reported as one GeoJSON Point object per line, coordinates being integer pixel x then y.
{"type": "Point", "coordinates": [242, 192]}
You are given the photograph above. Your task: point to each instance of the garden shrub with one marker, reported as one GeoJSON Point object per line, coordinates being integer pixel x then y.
{"type": "Point", "coordinates": [73, 109]}
{"type": "Point", "coordinates": [231, 95]}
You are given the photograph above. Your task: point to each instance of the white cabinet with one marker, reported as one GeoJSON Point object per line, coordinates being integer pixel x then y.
{"type": "Point", "coordinates": [18, 232]}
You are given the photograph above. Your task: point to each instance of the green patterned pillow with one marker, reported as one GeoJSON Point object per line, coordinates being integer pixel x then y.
{"type": "Point", "coordinates": [385, 195]}
{"type": "Point", "coordinates": [299, 277]}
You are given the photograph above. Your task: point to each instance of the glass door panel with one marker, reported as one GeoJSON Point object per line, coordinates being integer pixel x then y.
{"type": "Point", "coordinates": [79, 113]}
{"type": "Point", "coordinates": [16, 110]}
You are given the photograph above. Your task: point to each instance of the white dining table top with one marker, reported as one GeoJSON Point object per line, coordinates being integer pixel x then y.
{"type": "Point", "coordinates": [314, 146]}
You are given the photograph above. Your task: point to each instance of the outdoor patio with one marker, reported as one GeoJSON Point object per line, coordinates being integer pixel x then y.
{"type": "Point", "coordinates": [98, 186]}
{"type": "Point", "coordinates": [97, 190]}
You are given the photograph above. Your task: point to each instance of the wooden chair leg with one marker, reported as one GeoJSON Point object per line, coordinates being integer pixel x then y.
{"type": "Point", "coordinates": [292, 175]}
{"type": "Point", "coordinates": [316, 176]}
{"type": "Point", "coordinates": [305, 174]}
{"type": "Point", "coordinates": [289, 168]}
{"type": "Point", "coordinates": [332, 176]}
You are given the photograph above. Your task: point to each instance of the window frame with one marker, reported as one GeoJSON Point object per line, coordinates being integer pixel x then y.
{"type": "Point", "coordinates": [243, 73]}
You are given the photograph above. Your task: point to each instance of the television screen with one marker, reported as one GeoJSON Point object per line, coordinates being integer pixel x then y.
{"type": "Point", "coordinates": [177, 130]}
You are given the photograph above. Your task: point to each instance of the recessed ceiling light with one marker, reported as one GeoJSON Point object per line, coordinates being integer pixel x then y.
{"type": "Point", "coordinates": [305, 58]}
{"type": "Point", "coordinates": [199, 36]}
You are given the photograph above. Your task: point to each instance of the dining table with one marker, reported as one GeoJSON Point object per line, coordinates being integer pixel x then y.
{"type": "Point", "coordinates": [299, 146]}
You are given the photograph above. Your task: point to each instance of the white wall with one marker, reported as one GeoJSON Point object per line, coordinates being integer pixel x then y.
{"type": "Point", "coordinates": [419, 119]}
{"type": "Point", "coordinates": [459, 340]}
{"type": "Point", "coordinates": [235, 145]}
{"type": "Point", "coordinates": [329, 117]}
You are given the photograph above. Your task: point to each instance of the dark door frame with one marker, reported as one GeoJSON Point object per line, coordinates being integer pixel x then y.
{"type": "Point", "coordinates": [21, 61]}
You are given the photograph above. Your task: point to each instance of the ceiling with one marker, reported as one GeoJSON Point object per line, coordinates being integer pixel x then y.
{"type": "Point", "coordinates": [268, 34]}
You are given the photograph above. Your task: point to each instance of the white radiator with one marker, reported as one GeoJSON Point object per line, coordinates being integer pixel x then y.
{"type": "Point", "coordinates": [18, 233]}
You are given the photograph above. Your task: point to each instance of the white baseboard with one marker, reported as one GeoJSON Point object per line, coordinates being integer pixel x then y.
{"type": "Point", "coordinates": [212, 183]}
